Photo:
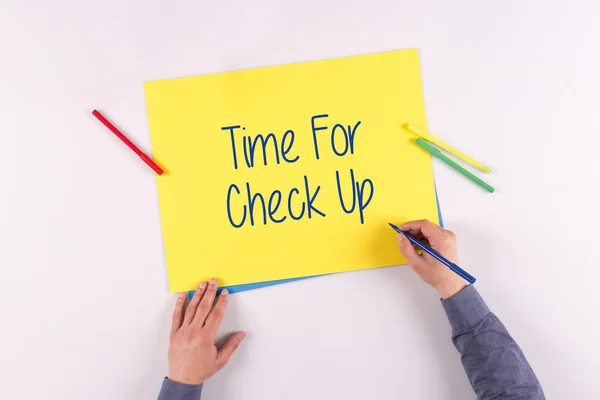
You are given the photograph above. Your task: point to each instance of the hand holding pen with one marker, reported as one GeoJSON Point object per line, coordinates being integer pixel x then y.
{"type": "Point", "coordinates": [432, 271]}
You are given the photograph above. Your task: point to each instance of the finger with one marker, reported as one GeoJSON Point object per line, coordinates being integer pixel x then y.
{"type": "Point", "coordinates": [433, 233]}
{"type": "Point", "coordinates": [418, 249]}
{"type": "Point", "coordinates": [408, 251]}
{"type": "Point", "coordinates": [193, 306]}
{"type": "Point", "coordinates": [427, 258]}
{"type": "Point", "coordinates": [419, 236]}
{"type": "Point", "coordinates": [216, 315]}
{"type": "Point", "coordinates": [228, 348]}
{"type": "Point", "coordinates": [423, 225]}
{"type": "Point", "coordinates": [206, 302]}
{"type": "Point", "coordinates": [178, 313]}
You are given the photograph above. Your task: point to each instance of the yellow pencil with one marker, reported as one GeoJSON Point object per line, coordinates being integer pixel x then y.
{"type": "Point", "coordinates": [422, 133]}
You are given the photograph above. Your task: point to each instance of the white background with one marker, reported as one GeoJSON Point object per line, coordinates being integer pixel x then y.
{"type": "Point", "coordinates": [84, 304]}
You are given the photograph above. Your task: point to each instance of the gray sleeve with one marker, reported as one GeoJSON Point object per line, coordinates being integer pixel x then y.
{"type": "Point", "coordinates": [494, 363]}
{"type": "Point", "coordinates": [178, 391]}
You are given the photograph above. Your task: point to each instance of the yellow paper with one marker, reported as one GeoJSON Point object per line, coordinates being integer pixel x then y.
{"type": "Point", "coordinates": [369, 96]}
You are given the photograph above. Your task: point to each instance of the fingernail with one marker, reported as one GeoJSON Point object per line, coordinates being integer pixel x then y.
{"type": "Point", "coordinates": [213, 281]}
{"type": "Point", "coordinates": [202, 285]}
{"type": "Point", "coordinates": [400, 238]}
{"type": "Point", "coordinates": [224, 292]}
{"type": "Point", "coordinates": [181, 296]}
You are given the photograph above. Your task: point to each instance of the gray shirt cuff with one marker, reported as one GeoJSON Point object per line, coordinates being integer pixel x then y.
{"type": "Point", "coordinates": [179, 391]}
{"type": "Point", "coordinates": [465, 309]}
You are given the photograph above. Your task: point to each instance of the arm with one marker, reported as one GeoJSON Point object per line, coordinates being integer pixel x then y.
{"type": "Point", "coordinates": [193, 356]}
{"type": "Point", "coordinates": [178, 391]}
{"type": "Point", "coordinates": [494, 363]}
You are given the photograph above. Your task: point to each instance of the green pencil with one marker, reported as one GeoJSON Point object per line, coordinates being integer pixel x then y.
{"type": "Point", "coordinates": [436, 153]}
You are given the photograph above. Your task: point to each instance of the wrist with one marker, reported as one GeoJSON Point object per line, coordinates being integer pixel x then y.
{"type": "Point", "coordinates": [185, 380]}
{"type": "Point", "coordinates": [449, 289]}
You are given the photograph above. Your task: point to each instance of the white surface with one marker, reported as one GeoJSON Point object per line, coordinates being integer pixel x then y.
{"type": "Point", "coordinates": [83, 295]}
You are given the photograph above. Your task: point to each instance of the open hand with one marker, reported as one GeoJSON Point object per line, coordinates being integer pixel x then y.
{"type": "Point", "coordinates": [193, 356]}
{"type": "Point", "coordinates": [446, 282]}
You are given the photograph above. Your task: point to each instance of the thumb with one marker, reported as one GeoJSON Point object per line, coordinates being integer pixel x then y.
{"type": "Point", "coordinates": [408, 251]}
{"type": "Point", "coordinates": [229, 347]}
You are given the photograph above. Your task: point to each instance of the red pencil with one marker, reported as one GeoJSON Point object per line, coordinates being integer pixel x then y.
{"type": "Point", "coordinates": [129, 143]}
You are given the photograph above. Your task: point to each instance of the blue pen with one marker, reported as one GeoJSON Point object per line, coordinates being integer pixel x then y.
{"type": "Point", "coordinates": [455, 268]}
